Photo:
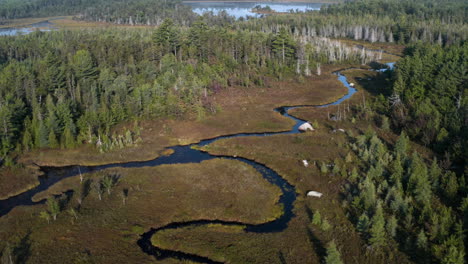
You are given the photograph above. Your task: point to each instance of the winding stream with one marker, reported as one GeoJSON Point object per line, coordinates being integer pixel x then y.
{"type": "Point", "coordinates": [186, 154]}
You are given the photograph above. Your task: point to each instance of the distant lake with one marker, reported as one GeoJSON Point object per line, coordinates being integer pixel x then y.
{"type": "Point", "coordinates": [41, 26]}
{"type": "Point", "coordinates": [244, 9]}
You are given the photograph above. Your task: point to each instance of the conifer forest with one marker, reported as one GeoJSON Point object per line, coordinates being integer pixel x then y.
{"type": "Point", "coordinates": [149, 131]}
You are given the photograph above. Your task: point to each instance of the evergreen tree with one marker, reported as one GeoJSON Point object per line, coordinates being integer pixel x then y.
{"type": "Point", "coordinates": [283, 46]}
{"type": "Point", "coordinates": [434, 173]}
{"type": "Point", "coordinates": [68, 139]}
{"type": "Point", "coordinates": [27, 141]}
{"type": "Point", "coordinates": [450, 185]}
{"type": "Point", "coordinates": [349, 158]}
{"type": "Point", "coordinates": [316, 218]}
{"type": "Point", "coordinates": [83, 65]}
{"type": "Point", "coordinates": [377, 229]}
{"type": "Point", "coordinates": [418, 182]}
{"type": "Point", "coordinates": [392, 225]}
{"type": "Point", "coordinates": [402, 145]}
{"type": "Point", "coordinates": [363, 224]}
{"type": "Point", "coordinates": [333, 255]}
{"type": "Point", "coordinates": [368, 194]}
{"type": "Point", "coordinates": [45, 215]}
{"type": "Point", "coordinates": [166, 36]}
{"type": "Point", "coordinates": [54, 207]}
{"type": "Point", "coordinates": [421, 240]}
{"type": "Point", "coordinates": [323, 167]}
{"type": "Point", "coordinates": [53, 143]}
{"type": "Point", "coordinates": [41, 135]}
{"type": "Point", "coordinates": [354, 175]}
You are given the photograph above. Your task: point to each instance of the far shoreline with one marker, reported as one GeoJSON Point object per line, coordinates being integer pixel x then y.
{"type": "Point", "coordinates": [265, 1]}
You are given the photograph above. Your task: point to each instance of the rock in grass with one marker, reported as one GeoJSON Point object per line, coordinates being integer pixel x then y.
{"type": "Point", "coordinates": [314, 194]}
{"type": "Point", "coordinates": [306, 126]}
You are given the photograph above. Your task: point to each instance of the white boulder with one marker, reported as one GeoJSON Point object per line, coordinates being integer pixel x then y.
{"type": "Point", "coordinates": [314, 194]}
{"type": "Point", "coordinates": [306, 126]}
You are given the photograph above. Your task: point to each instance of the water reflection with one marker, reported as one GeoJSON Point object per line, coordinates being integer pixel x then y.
{"type": "Point", "coordinates": [41, 26]}
{"type": "Point", "coordinates": [243, 9]}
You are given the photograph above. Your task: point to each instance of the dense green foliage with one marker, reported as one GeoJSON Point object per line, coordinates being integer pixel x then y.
{"type": "Point", "coordinates": [430, 98]}
{"type": "Point", "coordinates": [425, 201]}
{"type": "Point", "coordinates": [399, 198]}
{"type": "Point", "coordinates": [67, 88]}
{"type": "Point", "coordinates": [450, 11]}
{"type": "Point", "coordinates": [70, 87]}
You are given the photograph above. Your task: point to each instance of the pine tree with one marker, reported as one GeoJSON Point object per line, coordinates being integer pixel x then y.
{"type": "Point", "coordinates": [434, 174]}
{"type": "Point", "coordinates": [377, 229]}
{"type": "Point", "coordinates": [54, 207]}
{"type": "Point", "coordinates": [323, 167]}
{"type": "Point", "coordinates": [333, 255]}
{"type": "Point", "coordinates": [45, 215]}
{"type": "Point", "coordinates": [316, 218]}
{"type": "Point", "coordinates": [402, 144]}
{"type": "Point", "coordinates": [396, 170]}
{"type": "Point", "coordinates": [418, 182]}
{"type": "Point", "coordinates": [83, 65]}
{"type": "Point", "coordinates": [392, 225]}
{"type": "Point", "coordinates": [283, 45]}
{"type": "Point", "coordinates": [349, 158]}
{"type": "Point", "coordinates": [27, 141]}
{"type": "Point", "coordinates": [68, 139]}
{"type": "Point", "coordinates": [450, 185]}
{"type": "Point", "coordinates": [41, 135]}
{"type": "Point", "coordinates": [166, 36]}
{"type": "Point", "coordinates": [53, 143]}
{"type": "Point", "coordinates": [363, 224]}
{"type": "Point", "coordinates": [421, 240]}
{"type": "Point", "coordinates": [354, 175]}
{"type": "Point", "coordinates": [325, 226]}
{"type": "Point", "coordinates": [107, 183]}
{"type": "Point", "coordinates": [368, 194]}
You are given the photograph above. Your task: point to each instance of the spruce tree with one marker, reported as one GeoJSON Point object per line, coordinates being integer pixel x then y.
{"type": "Point", "coordinates": [333, 255]}
{"type": "Point", "coordinates": [316, 218]}
{"type": "Point", "coordinates": [53, 143]}
{"type": "Point", "coordinates": [421, 240]}
{"type": "Point", "coordinates": [283, 45]}
{"type": "Point", "coordinates": [68, 139]}
{"type": "Point", "coordinates": [27, 141]}
{"type": "Point", "coordinates": [41, 135]}
{"type": "Point", "coordinates": [402, 144]}
{"type": "Point", "coordinates": [363, 224]}
{"type": "Point", "coordinates": [54, 207]}
{"type": "Point", "coordinates": [377, 229]}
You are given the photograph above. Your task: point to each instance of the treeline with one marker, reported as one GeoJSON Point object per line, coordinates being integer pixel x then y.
{"type": "Point", "coordinates": [66, 88]}
{"type": "Point", "coordinates": [449, 11]}
{"type": "Point", "coordinates": [443, 24]}
{"type": "Point", "coordinates": [138, 12]}
{"type": "Point", "coordinates": [141, 12]}
{"type": "Point", "coordinates": [396, 196]}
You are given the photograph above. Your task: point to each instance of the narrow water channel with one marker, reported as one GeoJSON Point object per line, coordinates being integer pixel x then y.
{"type": "Point", "coordinates": [187, 154]}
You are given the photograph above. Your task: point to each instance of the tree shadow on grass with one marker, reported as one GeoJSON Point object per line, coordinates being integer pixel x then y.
{"type": "Point", "coordinates": [23, 250]}
{"type": "Point", "coordinates": [318, 245]}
